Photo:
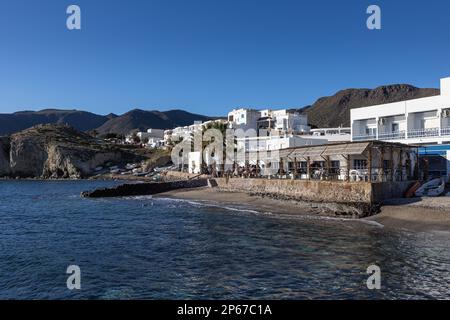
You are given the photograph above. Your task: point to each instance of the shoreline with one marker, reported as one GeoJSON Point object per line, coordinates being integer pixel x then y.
{"type": "Point", "coordinates": [414, 216]}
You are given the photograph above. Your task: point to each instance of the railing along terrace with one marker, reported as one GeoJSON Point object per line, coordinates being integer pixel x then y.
{"type": "Point", "coordinates": [419, 133]}
{"type": "Point", "coordinates": [445, 131]}
{"type": "Point", "coordinates": [392, 135]}
{"type": "Point", "coordinates": [365, 137]}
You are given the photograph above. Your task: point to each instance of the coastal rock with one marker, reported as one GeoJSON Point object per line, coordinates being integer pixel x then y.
{"type": "Point", "coordinates": [142, 189]}
{"type": "Point", "coordinates": [57, 151]}
{"type": "Point", "coordinates": [4, 156]}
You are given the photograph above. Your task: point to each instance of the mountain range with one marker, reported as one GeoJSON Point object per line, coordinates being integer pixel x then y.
{"type": "Point", "coordinates": [87, 121]}
{"type": "Point", "coordinates": [332, 111]}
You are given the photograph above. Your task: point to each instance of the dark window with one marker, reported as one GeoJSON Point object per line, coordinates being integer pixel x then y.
{"type": "Point", "coordinates": [335, 164]}
{"type": "Point", "coordinates": [395, 127]}
{"type": "Point", "coordinates": [360, 164]}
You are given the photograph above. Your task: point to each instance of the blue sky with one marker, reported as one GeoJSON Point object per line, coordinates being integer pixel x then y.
{"type": "Point", "coordinates": [208, 56]}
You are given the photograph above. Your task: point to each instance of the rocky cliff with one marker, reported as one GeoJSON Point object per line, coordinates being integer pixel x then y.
{"type": "Point", "coordinates": [57, 151]}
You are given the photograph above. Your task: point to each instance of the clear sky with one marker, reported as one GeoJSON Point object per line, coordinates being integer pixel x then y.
{"type": "Point", "coordinates": [208, 56]}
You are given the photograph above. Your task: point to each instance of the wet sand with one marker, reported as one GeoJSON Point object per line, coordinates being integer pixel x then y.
{"type": "Point", "coordinates": [417, 213]}
{"type": "Point", "coordinates": [239, 198]}
{"type": "Point", "coordinates": [428, 214]}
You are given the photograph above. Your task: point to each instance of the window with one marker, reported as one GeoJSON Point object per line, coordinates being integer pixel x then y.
{"type": "Point", "coordinates": [371, 131]}
{"type": "Point", "coordinates": [359, 164]}
{"type": "Point", "coordinates": [318, 164]}
{"type": "Point", "coordinates": [395, 127]}
{"type": "Point", "coordinates": [386, 165]}
{"type": "Point", "coordinates": [303, 167]}
{"type": "Point", "coordinates": [335, 166]}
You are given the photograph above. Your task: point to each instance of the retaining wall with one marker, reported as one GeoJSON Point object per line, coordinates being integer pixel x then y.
{"type": "Point", "coordinates": [318, 191]}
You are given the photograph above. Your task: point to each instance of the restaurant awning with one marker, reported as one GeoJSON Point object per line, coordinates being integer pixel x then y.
{"type": "Point", "coordinates": [328, 150]}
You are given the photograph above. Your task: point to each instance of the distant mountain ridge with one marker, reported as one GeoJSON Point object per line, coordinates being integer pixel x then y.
{"type": "Point", "coordinates": [334, 111]}
{"type": "Point", "coordinates": [86, 121]}
{"type": "Point", "coordinates": [81, 120]}
{"type": "Point", "coordinates": [142, 120]}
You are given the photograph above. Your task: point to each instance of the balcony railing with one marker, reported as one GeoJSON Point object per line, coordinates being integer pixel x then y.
{"type": "Point", "coordinates": [365, 137]}
{"type": "Point", "coordinates": [417, 133]}
{"type": "Point", "coordinates": [392, 135]}
{"type": "Point", "coordinates": [420, 133]}
{"type": "Point", "coordinates": [445, 131]}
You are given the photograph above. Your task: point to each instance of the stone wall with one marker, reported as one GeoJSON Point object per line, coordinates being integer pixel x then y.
{"type": "Point", "coordinates": [177, 175]}
{"type": "Point", "coordinates": [319, 191]}
{"type": "Point", "coordinates": [304, 190]}
{"type": "Point", "coordinates": [390, 190]}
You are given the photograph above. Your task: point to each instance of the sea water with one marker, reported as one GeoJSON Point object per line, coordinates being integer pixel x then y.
{"type": "Point", "coordinates": [157, 248]}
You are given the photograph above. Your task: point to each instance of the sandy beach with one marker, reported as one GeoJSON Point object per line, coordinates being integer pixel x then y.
{"type": "Point", "coordinates": [427, 214]}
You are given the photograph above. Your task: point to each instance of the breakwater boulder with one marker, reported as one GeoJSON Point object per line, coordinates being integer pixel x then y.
{"type": "Point", "coordinates": [143, 189]}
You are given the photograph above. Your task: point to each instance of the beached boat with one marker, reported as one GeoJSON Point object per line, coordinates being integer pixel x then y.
{"type": "Point", "coordinates": [432, 188]}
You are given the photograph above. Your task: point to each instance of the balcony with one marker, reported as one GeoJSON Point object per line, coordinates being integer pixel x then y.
{"type": "Point", "coordinates": [365, 137]}
{"type": "Point", "coordinates": [412, 134]}
{"type": "Point", "coordinates": [392, 135]}
{"type": "Point", "coordinates": [421, 133]}
{"type": "Point", "coordinates": [445, 131]}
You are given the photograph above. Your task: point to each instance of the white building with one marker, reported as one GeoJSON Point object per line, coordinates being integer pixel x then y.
{"type": "Point", "coordinates": [291, 122]}
{"type": "Point", "coordinates": [417, 121]}
{"type": "Point", "coordinates": [151, 136]}
{"type": "Point", "coordinates": [243, 118]}
{"type": "Point", "coordinates": [175, 134]}
{"type": "Point", "coordinates": [270, 143]}
{"type": "Point", "coordinates": [279, 121]}
{"type": "Point", "coordinates": [194, 162]}
{"type": "Point", "coordinates": [424, 122]}
{"type": "Point", "coordinates": [332, 135]}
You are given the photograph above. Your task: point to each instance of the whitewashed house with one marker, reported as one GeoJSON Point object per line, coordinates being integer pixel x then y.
{"type": "Point", "coordinates": [243, 118]}
{"type": "Point", "coordinates": [270, 143]}
{"type": "Point", "coordinates": [278, 121]}
{"type": "Point", "coordinates": [424, 122]}
{"type": "Point", "coordinates": [152, 137]}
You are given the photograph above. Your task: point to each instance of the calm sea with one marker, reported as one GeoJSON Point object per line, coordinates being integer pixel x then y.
{"type": "Point", "coordinates": [172, 249]}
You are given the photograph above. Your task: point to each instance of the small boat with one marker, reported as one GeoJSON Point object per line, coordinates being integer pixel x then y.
{"type": "Point", "coordinates": [433, 188]}
{"type": "Point", "coordinates": [411, 191]}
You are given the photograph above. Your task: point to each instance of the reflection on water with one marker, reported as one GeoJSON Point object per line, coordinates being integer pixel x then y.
{"type": "Point", "coordinates": [168, 249]}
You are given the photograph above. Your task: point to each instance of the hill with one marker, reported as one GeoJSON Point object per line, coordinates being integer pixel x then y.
{"type": "Point", "coordinates": [58, 151]}
{"type": "Point", "coordinates": [142, 120]}
{"type": "Point", "coordinates": [80, 120]}
{"type": "Point", "coordinates": [334, 111]}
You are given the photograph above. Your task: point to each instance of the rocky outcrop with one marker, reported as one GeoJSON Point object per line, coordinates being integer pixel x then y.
{"type": "Point", "coordinates": [4, 156]}
{"type": "Point", "coordinates": [143, 189]}
{"type": "Point", "coordinates": [57, 151]}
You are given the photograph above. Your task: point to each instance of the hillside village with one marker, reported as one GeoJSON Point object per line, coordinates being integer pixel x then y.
{"type": "Point", "coordinates": [413, 148]}
{"type": "Point", "coordinates": [420, 136]}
